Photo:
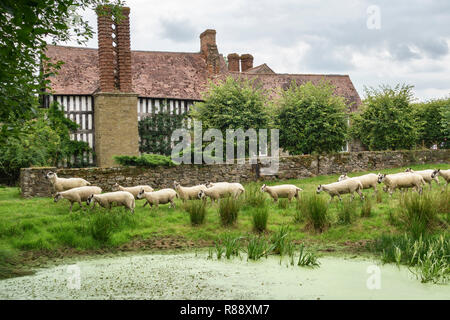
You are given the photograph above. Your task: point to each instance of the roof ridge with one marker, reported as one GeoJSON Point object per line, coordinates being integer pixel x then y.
{"type": "Point", "coordinates": [149, 51]}
{"type": "Point", "coordinates": [291, 74]}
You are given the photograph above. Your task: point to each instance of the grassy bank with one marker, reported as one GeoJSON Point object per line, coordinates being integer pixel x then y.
{"type": "Point", "coordinates": [40, 226]}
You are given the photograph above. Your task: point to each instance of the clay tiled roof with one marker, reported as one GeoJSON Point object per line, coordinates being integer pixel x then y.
{"type": "Point", "coordinates": [263, 68]}
{"type": "Point", "coordinates": [174, 75]}
{"type": "Point", "coordinates": [155, 74]}
{"type": "Point", "coordinates": [271, 83]}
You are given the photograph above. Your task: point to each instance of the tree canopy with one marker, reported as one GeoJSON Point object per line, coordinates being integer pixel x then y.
{"type": "Point", "coordinates": [386, 120]}
{"type": "Point", "coordinates": [311, 118]}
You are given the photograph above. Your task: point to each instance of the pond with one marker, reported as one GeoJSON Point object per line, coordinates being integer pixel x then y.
{"type": "Point", "coordinates": [190, 275]}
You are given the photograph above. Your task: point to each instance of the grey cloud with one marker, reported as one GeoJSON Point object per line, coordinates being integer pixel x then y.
{"type": "Point", "coordinates": [178, 30]}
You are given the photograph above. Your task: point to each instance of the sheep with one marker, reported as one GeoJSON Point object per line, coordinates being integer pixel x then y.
{"type": "Point", "coordinates": [342, 187]}
{"type": "Point", "coordinates": [156, 198]}
{"type": "Point", "coordinates": [117, 198]}
{"type": "Point", "coordinates": [188, 193]}
{"type": "Point", "coordinates": [236, 189]}
{"type": "Point", "coordinates": [133, 190]}
{"type": "Point", "coordinates": [62, 184]}
{"type": "Point", "coordinates": [426, 175]}
{"type": "Point", "coordinates": [282, 191]}
{"type": "Point", "coordinates": [367, 180]}
{"type": "Point", "coordinates": [443, 173]}
{"type": "Point", "coordinates": [77, 195]}
{"type": "Point", "coordinates": [402, 181]}
{"type": "Point", "coordinates": [215, 192]}
{"type": "Point", "coordinates": [219, 190]}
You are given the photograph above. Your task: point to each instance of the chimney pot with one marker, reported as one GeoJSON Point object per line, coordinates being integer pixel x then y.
{"type": "Point", "coordinates": [233, 62]}
{"type": "Point", "coordinates": [246, 62]}
{"type": "Point", "coordinates": [207, 37]}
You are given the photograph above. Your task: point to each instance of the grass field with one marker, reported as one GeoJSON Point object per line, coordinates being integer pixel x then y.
{"type": "Point", "coordinates": [40, 225]}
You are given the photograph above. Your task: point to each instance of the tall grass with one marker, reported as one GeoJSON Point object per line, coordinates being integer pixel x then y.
{"type": "Point", "coordinates": [418, 213]}
{"type": "Point", "coordinates": [428, 257]}
{"type": "Point", "coordinates": [10, 265]}
{"type": "Point", "coordinates": [366, 208]}
{"type": "Point", "coordinates": [280, 240]}
{"type": "Point", "coordinates": [253, 196]}
{"type": "Point", "coordinates": [259, 219]}
{"type": "Point", "coordinates": [197, 211]}
{"type": "Point", "coordinates": [232, 245]}
{"type": "Point", "coordinates": [103, 223]}
{"type": "Point", "coordinates": [228, 210]}
{"type": "Point", "coordinates": [283, 203]}
{"type": "Point", "coordinates": [314, 210]}
{"type": "Point", "coordinates": [307, 258]}
{"type": "Point", "coordinates": [346, 211]}
{"type": "Point", "coordinates": [258, 247]}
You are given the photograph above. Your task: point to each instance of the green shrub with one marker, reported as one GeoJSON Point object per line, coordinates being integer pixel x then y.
{"type": "Point", "coordinates": [370, 125]}
{"type": "Point", "coordinates": [259, 218]}
{"type": "Point", "coordinates": [314, 209]}
{"type": "Point", "coordinates": [155, 131]}
{"type": "Point", "coordinates": [196, 210]}
{"type": "Point", "coordinates": [311, 118]}
{"type": "Point", "coordinates": [145, 160]}
{"type": "Point", "coordinates": [228, 210]}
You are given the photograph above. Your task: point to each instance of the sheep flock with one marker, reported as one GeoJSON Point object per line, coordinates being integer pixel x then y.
{"type": "Point", "coordinates": [79, 190]}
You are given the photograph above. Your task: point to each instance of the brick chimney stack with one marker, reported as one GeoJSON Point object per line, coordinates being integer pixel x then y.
{"type": "Point", "coordinates": [208, 48]}
{"type": "Point", "coordinates": [246, 62]}
{"type": "Point", "coordinates": [115, 113]}
{"type": "Point", "coordinates": [233, 62]}
{"type": "Point", "coordinates": [114, 54]}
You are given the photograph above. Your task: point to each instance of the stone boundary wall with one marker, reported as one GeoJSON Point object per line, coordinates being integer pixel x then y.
{"type": "Point", "coordinates": [33, 182]}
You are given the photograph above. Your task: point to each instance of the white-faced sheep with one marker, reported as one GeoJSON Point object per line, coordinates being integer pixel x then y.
{"type": "Point", "coordinates": [367, 180]}
{"type": "Point", "coordinates": [109, 199]}
{"type": "Point", "coordinates": [443, 173]}
{"type": "Point", "coordinates": [235, 189]}
{"type": "Point", "coordinates": [220, 190]}
{"type": "Point", "coordinates": [342, 187]}
{"type": "Point", "coordinates": [188, 193]}
{"type": "Point", "coordinates": [156, 198]}
{"type": "Point", "coordinates": [62, 184]}
{"type": "Point", "coordinates": [426, 175]}
{"type": "Point", "coordinates": [77, 195]}
{"type": "Point", "coordinates": [401, 181]}
{"type": "Point", "coordinates": [282, 191]}
{"type": "Point", "coordinates": [133, 190]}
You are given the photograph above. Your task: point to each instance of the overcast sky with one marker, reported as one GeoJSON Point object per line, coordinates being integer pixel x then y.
{"type": "Point", "coordinates": [375, 42]}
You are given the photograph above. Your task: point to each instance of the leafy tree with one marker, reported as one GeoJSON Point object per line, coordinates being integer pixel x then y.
{"type": "Point", "coordinates": [232, 104]}
{"type": "Point", "coordinates": [25, 28]}
{"type": "Point", "coordinates": [29, 136]}
{"type": "Point", "coordinates": [431, 122]}
{"type": "Point", "coordinates": [42, 141]}
{"type": "Point", "coordinates": [386, 121]}
{"type": "Point", "coordinates": [445, 114]}
{"type": "Point", "coordinates": [155, 131]}
{"type": "Point", "coordinates": [311, 119]}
